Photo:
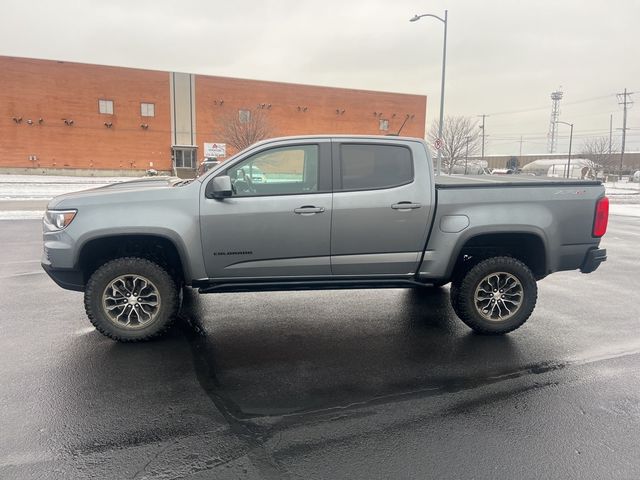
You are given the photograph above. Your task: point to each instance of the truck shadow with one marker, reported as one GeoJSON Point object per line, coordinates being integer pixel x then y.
{"type": "Point", "coordinates": [265, 356]}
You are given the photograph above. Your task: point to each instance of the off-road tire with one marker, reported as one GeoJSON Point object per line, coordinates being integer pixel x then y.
{"type": "Point", "coordinates": [466, 292]}
{"type": "Point", "coordinates": [162, 282]}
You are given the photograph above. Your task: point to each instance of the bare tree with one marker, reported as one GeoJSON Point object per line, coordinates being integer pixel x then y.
{"type": "Point", "coordinates": [596, 151]}
{"type": "Point", "coordinates": [457, 133]}
{"type": "Point", "coordinates": [243, 128]}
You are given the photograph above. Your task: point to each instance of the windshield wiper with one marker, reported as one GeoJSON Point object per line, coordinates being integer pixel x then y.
{"type": "Point", "coordinates": [182, 183]}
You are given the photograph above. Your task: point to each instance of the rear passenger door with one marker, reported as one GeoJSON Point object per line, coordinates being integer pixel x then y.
{"type": "Point", "coordinates": [380, 215]}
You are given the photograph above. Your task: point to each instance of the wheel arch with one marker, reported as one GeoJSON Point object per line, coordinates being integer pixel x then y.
{"type": "Point", "coordinates": [528, 246]}
{"type": "Point", "coordinates": [157, 247]}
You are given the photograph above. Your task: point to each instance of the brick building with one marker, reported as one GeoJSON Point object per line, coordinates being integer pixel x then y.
{"type": "Point", "coordinates": [62, 115]}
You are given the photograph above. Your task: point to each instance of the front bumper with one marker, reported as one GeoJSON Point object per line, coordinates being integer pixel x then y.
{"type": "Point", "coordinates": [593, 259]}
{"type": "Point", "coordinates": [67, 279]}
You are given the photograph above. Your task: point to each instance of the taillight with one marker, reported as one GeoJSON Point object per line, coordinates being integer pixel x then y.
{"type": "Point", "coordinates": [602, 217]}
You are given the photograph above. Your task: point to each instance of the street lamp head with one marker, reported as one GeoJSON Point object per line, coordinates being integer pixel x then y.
{"type": "Point", "coordinates": [415, 18]}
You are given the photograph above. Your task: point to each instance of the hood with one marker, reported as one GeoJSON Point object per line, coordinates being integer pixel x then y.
{"type": "Point", "coordinates": [68, 200]}
{"type": "Point", "coordinates": [147, 182]}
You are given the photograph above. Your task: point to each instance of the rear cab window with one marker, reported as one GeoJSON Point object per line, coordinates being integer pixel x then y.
{"type": "Point", "coordinates": [371, 167]}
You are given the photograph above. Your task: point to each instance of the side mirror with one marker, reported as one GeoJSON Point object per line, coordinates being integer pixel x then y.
{"type": "Point", "coordinates": [219, 187]}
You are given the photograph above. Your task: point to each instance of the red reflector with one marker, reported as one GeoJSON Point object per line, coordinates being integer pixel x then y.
{"type": "Point", "coordinates": [602, 217]}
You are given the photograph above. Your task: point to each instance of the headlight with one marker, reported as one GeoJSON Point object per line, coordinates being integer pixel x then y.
{"type": "Point", "coordinates": [59, 219]}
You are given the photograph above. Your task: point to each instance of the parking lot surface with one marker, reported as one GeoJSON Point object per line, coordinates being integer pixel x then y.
{"type": "Point", "coordinates": [315, 385]}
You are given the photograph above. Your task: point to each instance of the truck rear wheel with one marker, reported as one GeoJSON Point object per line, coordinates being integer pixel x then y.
{"type": "Point", "coordinates": [131, 299]}
{"type": "Point", "coordinates": [496, 296]}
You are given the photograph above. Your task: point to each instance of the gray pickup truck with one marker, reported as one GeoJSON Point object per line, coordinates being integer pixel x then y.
{"type": "Point", "coordinates": [321, 212]}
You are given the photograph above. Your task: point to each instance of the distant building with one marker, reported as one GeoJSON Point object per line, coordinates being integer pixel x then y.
{"type": "Point", "coordinates": [558, 167]}
{"type": "Point", "coordinates": [631, 159]}
{"type": "Point", "coordinates": [62, 115]}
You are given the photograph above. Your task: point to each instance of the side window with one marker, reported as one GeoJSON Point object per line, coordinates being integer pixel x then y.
{"type": "Point", "coordinates": [277, 171]}
{"type": "Point", "coordinates": [365, 167]}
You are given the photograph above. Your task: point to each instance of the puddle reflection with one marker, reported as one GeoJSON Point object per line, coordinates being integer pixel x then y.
{"type": "Point", "coordinates": [258, 356]}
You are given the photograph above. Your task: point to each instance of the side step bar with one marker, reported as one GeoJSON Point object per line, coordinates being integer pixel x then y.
{"type": "Point", "coordinates": [308, 285]}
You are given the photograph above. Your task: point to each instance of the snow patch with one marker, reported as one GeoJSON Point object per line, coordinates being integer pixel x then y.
{"type": "Point", "coordinates": [625, 210]}
{"type": "Point", "coordinates": [43, 187]}
{"type": "Point", "coordinates": [21, 214]}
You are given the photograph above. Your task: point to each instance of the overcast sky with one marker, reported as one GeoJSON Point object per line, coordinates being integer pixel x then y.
{"type": "Point", "coordinates": [504, 56]}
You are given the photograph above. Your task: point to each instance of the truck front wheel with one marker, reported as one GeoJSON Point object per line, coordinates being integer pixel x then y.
{"type": "Point", "coordinates": [131, 299]}
{"type": "Point", "coordinates": [496, 296]}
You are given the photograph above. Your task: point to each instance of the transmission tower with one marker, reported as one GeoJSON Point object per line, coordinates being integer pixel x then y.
{"type": "Point", "coordinates": [553, 123]}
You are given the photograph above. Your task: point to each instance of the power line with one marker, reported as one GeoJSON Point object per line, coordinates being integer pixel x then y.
{"type": "Point", "coordinates": [543, 135]}
{"type": "Point", "coordinates": [534, 109]}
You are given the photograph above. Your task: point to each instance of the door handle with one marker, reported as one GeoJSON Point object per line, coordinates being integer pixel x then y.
{"type": "Point", "coordinates": [405, 206]}
{"type": "Point", "coordinates": [308, 210]}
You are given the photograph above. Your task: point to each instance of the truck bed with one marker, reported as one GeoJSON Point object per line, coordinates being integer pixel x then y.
{"type": "Point", "coordinates": [488, 181]}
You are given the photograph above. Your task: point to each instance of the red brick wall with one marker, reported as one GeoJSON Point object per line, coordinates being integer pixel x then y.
{"type": "Point", "coordinates": [51, 90]}
{"type": "Point", "coordinates": [321, 103]}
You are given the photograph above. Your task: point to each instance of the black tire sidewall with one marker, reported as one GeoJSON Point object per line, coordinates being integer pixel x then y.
{"type": "Point", "coordinates": [136, 266]}
{"type": "Point", "coordinates": [464, 302]}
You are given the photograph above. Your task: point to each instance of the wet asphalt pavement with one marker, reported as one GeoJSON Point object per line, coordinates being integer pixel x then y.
{"type": "Point", "coordinates": [323, 385]}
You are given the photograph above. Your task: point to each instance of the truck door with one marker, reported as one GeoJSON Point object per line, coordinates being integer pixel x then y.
{"type": "Point", "coordinates": [383, 194]}
{"type": "Point", "coordinates": [278, 221]}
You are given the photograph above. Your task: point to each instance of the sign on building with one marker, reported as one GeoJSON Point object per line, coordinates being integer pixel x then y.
{"type": "Point", "coordinates": [215, 150]}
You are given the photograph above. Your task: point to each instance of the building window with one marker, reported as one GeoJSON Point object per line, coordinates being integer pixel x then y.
{"type": "Point", "coordinates": [244, 116]}
{"type": "Point", "coordinates": [148, 109]}
{"type": "Point", "coordinates": [105, 107]}
{"type": "Point", "coordinates": [184, 157]}
{"type": "Point", "coordinates": [365, 167]}
{"type": "Point", "coordinates": [384, 124]}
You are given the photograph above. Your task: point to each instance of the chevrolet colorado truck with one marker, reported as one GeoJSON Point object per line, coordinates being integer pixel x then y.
{"type": "Point", "coordinates": [329, 212]}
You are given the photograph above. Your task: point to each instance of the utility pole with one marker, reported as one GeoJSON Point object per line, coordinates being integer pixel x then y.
{"type": "Point", "coordinates": [466, 156]}
{"type": "Point", "coordinates": [622, 100]}
{"type": "Point", "coordinates": [520, 148]}
{"type": "Point", "coordinates": [610, 133]}
{"type": "Point", "coordinates": [483, 133]}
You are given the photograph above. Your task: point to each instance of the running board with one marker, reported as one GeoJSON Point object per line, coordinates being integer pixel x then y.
{"type": "Point", "coordinates": [308, 285]}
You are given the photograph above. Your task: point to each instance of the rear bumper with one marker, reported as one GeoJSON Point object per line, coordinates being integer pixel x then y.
{"type": "Point", "coordinates": [593, 259]}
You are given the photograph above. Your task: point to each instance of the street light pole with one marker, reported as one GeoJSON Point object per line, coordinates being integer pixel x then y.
{"type": "Point", "coordinates": [570, 141]}
{"type": "Point", "coordinates": [444, 64]}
